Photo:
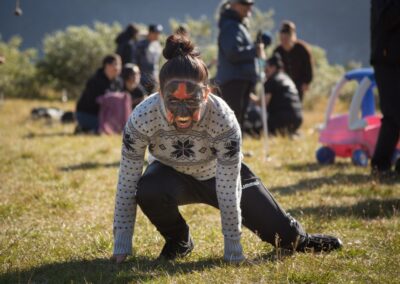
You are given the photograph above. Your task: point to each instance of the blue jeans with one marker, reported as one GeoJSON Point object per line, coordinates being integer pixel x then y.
{"type": "Point", "coordinates": [87, 121]}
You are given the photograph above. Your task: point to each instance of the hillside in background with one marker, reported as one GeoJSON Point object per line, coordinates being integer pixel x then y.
{"type": "Point", "coordinates": [340, 27]}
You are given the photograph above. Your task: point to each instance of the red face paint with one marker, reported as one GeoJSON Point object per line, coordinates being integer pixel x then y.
{"type": "Point", "coordinates": [181, 92]}
{"type": "Point", "coordinates": [196, 115]}
{"type": "Point", "coordinates": [184, 101]}
{"type": "Point", "coordinates": [170, 116]}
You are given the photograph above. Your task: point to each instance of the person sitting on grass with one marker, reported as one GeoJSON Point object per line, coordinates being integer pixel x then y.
{"type": "Point", "coordinates": [131, 77]}
{"type": "Point", "coordinates": [105, 79]}
{"type": "Point", "coordinates": [194, 143]}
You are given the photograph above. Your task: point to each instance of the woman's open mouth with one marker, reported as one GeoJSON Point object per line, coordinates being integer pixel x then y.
{"type": "Point", "coordinates": [183, 122]}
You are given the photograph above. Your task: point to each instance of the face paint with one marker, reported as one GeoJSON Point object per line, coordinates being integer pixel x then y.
{"type": "Point", "coordinates": [184, 101]}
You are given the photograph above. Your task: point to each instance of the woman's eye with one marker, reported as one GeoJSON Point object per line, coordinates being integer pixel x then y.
{"type": "Point", "coordinates": [173, 101]}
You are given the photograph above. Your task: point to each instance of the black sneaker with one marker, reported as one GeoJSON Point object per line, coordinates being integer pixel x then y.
{"type": "Point", "coordinates": [176, 248]}
{"type": "Point", "coordinates": [319, 242]}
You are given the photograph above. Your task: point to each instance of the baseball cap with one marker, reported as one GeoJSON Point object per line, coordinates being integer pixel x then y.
{"type": "Point", "coordinates": [244, 2]}
{"type": "Point", "coordinates": [156, 28]}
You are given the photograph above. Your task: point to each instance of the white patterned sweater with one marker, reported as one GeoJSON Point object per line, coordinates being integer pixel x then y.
{"type": "Point", "coordinates": [211, 148]}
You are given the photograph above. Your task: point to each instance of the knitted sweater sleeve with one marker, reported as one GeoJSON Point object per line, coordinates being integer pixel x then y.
{"type": "Point", "coordinates": [131, 166]}
{"type": "Point", "coordinates": [228, 184]}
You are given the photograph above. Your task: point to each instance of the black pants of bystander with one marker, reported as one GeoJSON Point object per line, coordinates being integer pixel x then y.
{"type": "Point", "coordinates": [236, 93]}
{"type": "Point", "coordinates": [388, 82]}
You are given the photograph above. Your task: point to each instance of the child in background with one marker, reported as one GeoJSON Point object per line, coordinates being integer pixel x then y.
{"type": "Point", "coordinates": [131, 77]}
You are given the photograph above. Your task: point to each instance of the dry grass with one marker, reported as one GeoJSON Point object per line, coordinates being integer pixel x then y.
{"type": "Point", "coordinates": [56, 207]}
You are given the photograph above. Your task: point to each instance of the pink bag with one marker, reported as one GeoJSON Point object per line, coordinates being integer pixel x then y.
{"type": "Point", "coordinates": [115, 108]}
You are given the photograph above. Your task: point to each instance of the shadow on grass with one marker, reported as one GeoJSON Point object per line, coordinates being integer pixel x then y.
{"type": "Point", "coordinates": [136, 269]}
{"type": "Point", "coordinates": [32, 135]}
{"type": "Point", "coordinates": [91, 166]}
{"type": "Point", "coordinates": [366, 209]}
{"type": "Point", "coordinates": [313, 183]}
{"type": "Point", "coordinates": [312, 167]}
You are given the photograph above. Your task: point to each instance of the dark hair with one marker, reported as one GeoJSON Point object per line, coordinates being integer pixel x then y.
{"type": "Point", "coordinates": [287, 27]}
{"type": "Point", "coordinates": [182, 30]}
{"type": "Point", "coordinates": [110, 59]}
{"type": "Point", "coordinates": [129, 70]}
{"type": "Point", "coordinates": [183, 61]}
{"type": "Point", "coordinates": [275, 60]}
{"type": "Point", "coordinates": [131, 31]}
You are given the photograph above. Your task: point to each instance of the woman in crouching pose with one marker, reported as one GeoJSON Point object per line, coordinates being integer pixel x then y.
{"type": "Point", "coordinates": [194, 144]}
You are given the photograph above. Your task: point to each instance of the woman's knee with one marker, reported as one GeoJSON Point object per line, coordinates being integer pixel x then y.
{"type": "Point", "coordinates": [149, 191]}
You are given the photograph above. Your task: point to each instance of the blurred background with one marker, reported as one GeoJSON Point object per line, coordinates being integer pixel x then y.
{"type": "Point", "coordinates": [337, 30]}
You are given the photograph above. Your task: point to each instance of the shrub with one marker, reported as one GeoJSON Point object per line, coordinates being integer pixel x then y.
{"type": "Point", "coordinates": [73, 55]}
{"type": "Point", "coordinates": [18, 73]}
{"type": "Point", "coordinates": [325, 77]}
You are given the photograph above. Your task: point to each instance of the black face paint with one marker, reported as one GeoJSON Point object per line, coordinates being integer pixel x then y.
{"type": "Point", "coordinates": [183, 101]}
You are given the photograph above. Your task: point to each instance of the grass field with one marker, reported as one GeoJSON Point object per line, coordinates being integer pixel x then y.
{"type": "Point", "coordinates": [56, 209]}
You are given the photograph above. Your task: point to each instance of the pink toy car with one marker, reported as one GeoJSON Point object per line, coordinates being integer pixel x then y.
{"type": "Point", "coordinates": [348, 135]}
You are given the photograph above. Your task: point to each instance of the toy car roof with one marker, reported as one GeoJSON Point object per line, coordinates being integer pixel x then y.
{"type": "Point", "coordinates": [359, 74]}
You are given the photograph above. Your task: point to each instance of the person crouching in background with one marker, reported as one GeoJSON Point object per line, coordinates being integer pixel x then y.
{"type": "Point", "coordinates": [131, 77]}
{"type": "Point", "coordinates": [283, 103]}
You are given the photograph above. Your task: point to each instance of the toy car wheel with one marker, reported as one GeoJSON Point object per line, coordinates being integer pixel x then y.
{"type": "Point", "coordinates": [325, 155]}
{"type": "Point", "coordinates": [360, 158]}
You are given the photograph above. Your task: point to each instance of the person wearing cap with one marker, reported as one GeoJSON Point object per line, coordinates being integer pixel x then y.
{"type": "Point", "coordinates": [148, 57]}
{"type": "Point", "coordinates": [283, 103]}
{"type": "Point", "coordinates": [296, 57]}
{"type": "Point", "coordinates": [385, 58]}
{"type": "Point", "coordinates": [237, 54]}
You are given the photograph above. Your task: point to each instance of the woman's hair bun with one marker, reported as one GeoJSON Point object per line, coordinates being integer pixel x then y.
{"type": "Point", "coordinates": [178, 45]}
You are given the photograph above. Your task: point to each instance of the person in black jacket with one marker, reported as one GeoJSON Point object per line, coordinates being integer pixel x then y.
{"type": "Point", "coordinates": [296, 57]}
{"type": "Point", "coordinates": [237, 55]}
{"type": "Point", "coordinates": [385, 58]}
{"type": "Point", "coordinates": [283, 102]}
{"type": "Point", "coordinates": [126, 44]}
{"type": "Point", "coordinates": [105, 79]}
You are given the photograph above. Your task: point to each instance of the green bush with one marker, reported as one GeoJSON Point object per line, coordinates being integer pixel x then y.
{"type": "Point", "coordinates": [325, 77]}
{"type": "Point", "coordinates": [73, 55]}
{"type": "Point", "coordinates": [18, 73]}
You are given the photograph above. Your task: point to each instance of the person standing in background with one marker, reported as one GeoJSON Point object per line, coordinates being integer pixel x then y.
{"type": "Point", "coordinates": [148, 58]}
{"type": "Point", "coordinates": [385, 58]}
{"type": "Point", "coordinates": [296, 57]}
{"type": "Point", "coordinates": [126, 44]}
{"type": "Point", "coordinates": [237, 55]}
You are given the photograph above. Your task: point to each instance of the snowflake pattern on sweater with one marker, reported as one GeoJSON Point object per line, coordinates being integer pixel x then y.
{"type": "Point", "coordinates": [211, 148]}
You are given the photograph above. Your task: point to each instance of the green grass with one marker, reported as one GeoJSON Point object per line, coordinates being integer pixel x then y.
{"type": "Point", "coordinates": [57, 198]}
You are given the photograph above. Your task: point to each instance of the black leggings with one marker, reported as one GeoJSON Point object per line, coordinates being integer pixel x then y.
{"type": "Point", "coordinates": [162, 189]}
